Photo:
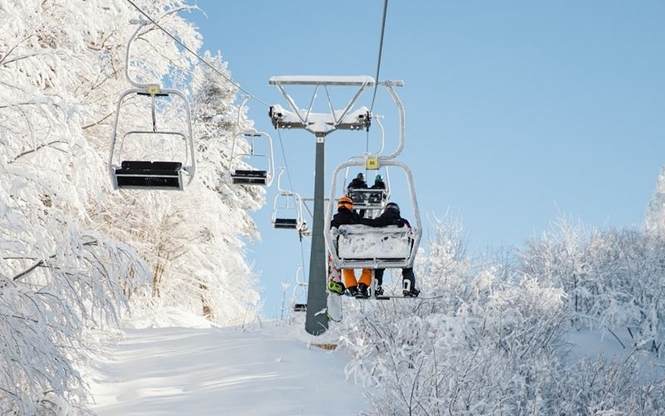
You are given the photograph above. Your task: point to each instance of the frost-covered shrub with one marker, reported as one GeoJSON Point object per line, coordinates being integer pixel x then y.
{"type": "Point", "coordinates": [612, 278]}
{"type": "Point", "coordinates": [486, 341]}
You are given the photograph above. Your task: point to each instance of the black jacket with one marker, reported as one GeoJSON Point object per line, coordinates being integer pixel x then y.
{"type": "Point", "coordinates": [344, 216]}
{"type": "Point", "coordinates": [378, 184]}
{"type": "Point", "coordinates": [357, 184]}
{"type": "Point", "coordinates": [389, 217]}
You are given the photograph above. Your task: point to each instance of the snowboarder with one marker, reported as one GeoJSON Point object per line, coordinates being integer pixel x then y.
{"type": "Point", "coordinates": [358, 197]}
{"type": "Point", "coordinates": [391, 216]}
{"type": "Point", "coordinates": [377, 197]}
{"type": "Point", "coordinates": [378, 183]}
{"type": "Point", "coordinates": [346, 215]}
{"type": "Point", "coordinates": [357, 183]}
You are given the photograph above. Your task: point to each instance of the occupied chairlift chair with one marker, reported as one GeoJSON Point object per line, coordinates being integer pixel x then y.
{"type": "Point", "coordinates": [355, 246]}
{"type": "Point", "coordinates": [360, 246]}
{"type": "Point", "coordinates": [151, 174]}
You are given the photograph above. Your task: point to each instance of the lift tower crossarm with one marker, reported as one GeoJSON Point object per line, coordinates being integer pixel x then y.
{"type": "Point", "coordinates": [321, 123]}
{"type": "Point", "coordinates": [348, 80]}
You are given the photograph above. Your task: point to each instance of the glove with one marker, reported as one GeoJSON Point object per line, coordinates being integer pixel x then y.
{"type": "Point", "coordinates": [400, 222]}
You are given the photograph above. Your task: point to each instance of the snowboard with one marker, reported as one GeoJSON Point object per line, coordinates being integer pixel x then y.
{"type": "Point", "coordinates": [334, 300]}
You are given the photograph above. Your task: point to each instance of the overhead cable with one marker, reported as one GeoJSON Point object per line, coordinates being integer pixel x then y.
{"type": "Point", "coordinates": [378, 63]}
{"type": "Point", "coordinates": [195, 54]}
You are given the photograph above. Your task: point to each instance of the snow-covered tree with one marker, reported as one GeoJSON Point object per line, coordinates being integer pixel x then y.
{"type": "Point", "coordinates": [73, 253]}
{"type": "Point", "coordinates": [488, 340]}
{"type": "Point", "coordinates": [654, 221]}
{"type": "Point", "coordinates": [612, 278]}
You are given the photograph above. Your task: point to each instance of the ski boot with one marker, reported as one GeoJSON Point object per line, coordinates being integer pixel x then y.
{"type": "Point", "coordinates": [362, 291]}
{"type": "Point", "coordinates": [351, 291]}
{"type": "Point", "coordinates": [412, 293]}
{"type": "Point", "coordinates": [378, 291]}
{"type": "Point", "coordinates": [409, 292]}
{"type": "Point", "coordinates": [335, 287]}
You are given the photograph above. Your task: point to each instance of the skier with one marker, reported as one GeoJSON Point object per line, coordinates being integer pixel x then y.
{"type": "Point", "coordinates": [358, 197]}
{"type": "Point", "coordinates": [378, 183]}
{"type": "Point", "coordinates": [391, 216]}
{"type": "Point", "coordinates": [346, 215]}
{"type": "Point", "coordinates": [378, 197]}
{"type": "Point", "coordinates": [357, 183]}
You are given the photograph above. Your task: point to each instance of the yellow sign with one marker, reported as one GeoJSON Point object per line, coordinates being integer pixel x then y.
{"type": "Point", "coordinates": [372, 163]}
{"type": "Point", "coordinates": [153, 89]}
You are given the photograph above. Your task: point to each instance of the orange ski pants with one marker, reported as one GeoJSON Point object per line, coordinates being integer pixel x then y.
{"type": "Point", "coordinates": [350, 277]}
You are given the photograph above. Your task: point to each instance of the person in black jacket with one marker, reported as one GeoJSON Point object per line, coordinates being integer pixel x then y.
{"type": "Point", "coordinates": [391, 216]}
{"type": "Point", "coordinates": [379, 185]}
{"type": "Point", "coordinates": [358, 182]}
{"type": "Point", "coordinates": [346, 215]}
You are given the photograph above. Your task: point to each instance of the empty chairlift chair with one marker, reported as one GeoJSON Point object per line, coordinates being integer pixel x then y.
{"type": "Point", "coordinates": [150, 156]}
{"type": "Point", "coordinates": [287, 208]}
{"type": "Point", "coordinates": [152, 145]}
{"type": "Point", "coordinates": [287, 211]}
{"type": "Point", "coordinates": [252, 176]}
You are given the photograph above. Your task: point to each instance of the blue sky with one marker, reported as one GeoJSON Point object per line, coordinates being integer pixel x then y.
{"type": "Point", "coordinates": [518, 112]}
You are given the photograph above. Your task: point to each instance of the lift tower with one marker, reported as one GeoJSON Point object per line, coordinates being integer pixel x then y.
{"type": "Point", "coordinates": [320, 125]}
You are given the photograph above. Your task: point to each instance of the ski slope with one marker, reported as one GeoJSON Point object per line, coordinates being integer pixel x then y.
{"type": "Point", "coordinates": [272, 370]}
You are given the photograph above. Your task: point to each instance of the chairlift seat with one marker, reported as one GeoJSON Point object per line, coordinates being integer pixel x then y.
{"type": "Point", "coordinates": [134, 174]}
{"type": "Point", "coordinates": [250, 177]}
{"type": "Point", "coordinates": [300, 307]}
{"type": "Point", "coordinates": [288, 223]}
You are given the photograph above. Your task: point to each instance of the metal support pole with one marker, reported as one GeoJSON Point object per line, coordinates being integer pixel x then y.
{"type": "Point", "coordinates": [316, 321]}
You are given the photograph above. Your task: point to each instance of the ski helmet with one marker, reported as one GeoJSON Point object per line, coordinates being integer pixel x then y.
{"type": "Point", "coordinates": [345, 201]}
{"type": "Point", "coordinates": [392, 205]}
{"type": "Point", "coordinates": [361, 176]}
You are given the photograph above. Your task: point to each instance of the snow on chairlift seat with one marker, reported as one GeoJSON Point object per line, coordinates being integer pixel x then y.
{"type": "Point", "coordinates": [134, 174]}
{"type": "Point", "coordinates": [362, 245]}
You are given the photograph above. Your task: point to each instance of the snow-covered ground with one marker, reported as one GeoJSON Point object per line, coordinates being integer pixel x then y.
{"type": "Point", "coordinates": [271, 370]}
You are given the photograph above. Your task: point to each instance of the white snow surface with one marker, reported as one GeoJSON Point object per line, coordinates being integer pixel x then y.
{"type": "Point", "coordinates": [272, 370]}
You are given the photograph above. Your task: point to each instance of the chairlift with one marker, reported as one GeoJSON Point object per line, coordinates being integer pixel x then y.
{"type": "Point", "coordinates": [301, 287]}
{"type": "Point", "coordinates": [251, 176]}
{"type": "Point", "coordinates": [355, 246]}
{"type": "Point", "coordinates": [153, 153]}
{"type": "Point", "coordinates": [287, 209]}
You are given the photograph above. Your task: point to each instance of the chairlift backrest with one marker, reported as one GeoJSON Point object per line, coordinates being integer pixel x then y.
{"type": "Point", "coordinates": [363, 246]}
